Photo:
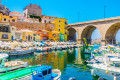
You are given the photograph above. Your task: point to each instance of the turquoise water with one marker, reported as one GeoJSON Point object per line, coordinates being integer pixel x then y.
{"type": "Point", "coordinates": [71, 62]}
{"type": "Point", "coordinates": [96, 46]}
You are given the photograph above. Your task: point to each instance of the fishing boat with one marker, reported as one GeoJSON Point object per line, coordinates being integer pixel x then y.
{"type": "Point", "coordinates": [6, 66]}
{"type": "Point", "coordinates": [41, 72]}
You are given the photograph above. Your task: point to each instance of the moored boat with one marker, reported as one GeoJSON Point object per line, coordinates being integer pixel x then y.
{"type": "Point", "coordinates": [6, 66]}
{"type": "Point", "coordinates": [43, 72]}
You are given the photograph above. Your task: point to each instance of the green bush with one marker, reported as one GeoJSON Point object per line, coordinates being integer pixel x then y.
{"type": "Point", "coordinates": [1, 12]}
{"type": "Point", "coordinates": [35, 16]}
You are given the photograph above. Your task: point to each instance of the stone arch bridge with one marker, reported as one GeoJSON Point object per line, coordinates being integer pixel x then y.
{"type": "Point", "coordinates": [108, 28]}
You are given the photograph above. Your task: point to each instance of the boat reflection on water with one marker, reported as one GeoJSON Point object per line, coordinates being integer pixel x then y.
{"type": "Point", "coordinates": [70, 62]}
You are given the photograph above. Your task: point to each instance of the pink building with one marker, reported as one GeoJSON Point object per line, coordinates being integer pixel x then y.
{"type": "Point", "coordinates": [21, 18]}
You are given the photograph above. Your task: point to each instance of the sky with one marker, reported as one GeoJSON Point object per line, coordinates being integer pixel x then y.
{"type": "Point", "coordinates": [87, 9]}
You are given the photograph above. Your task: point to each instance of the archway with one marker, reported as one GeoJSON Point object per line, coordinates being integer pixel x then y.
{"type": "Point", "coordinates": [111, 33]}
{"type": "Point", "coordinates": [87, 33]}
{"type": "Point", "coordinates": [72, 34]}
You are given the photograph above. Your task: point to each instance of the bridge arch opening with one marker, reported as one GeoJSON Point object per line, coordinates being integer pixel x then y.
{"type": "Point", "coordinates": [110, 35]}
{"type": "Point", "coordinates": [72, 36]}
{"type": "Point", "coordinates": [92, 34]}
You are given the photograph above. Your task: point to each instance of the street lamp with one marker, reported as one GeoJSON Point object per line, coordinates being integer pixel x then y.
{"type": "Point", "coordinates": [104, 12]}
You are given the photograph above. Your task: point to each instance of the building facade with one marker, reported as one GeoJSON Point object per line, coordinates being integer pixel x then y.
{"type": "Point", "coordinates": [54, 36]}
{"type": "Point", "coordinates": [32, 9]}
{"type": "Point", "coordinates": [61, 26]}
{"type": "Point", "coordinates": [24, 35]}
{"type": "Point", "coordinates": [5, 32]}
{"type": "Point", "coordinates": [7, 19]}
{"type": "Point", "coordinates": [21, 18]}
{"type": "Point", "coordinates": [47, 19]}
{"type": "Point", "coordinates": [44, 35]}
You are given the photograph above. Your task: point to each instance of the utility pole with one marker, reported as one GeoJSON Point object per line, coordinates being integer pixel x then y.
{"type": "Point", "coordinates": [104, 12]}
{"type": "Point", "coordinates": [78, 15]}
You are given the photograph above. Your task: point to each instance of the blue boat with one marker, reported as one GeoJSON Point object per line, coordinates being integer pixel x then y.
{"type": "Point", "coordinates": [45, 72]}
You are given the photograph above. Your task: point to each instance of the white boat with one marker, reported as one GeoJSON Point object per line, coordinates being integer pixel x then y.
{"type": "Point", "coordinates": [108, 72]}
{"type": "Point", "coordinates": [6, 66]}
{"type": "Point", "coordinates": [109, 66]}
{"type": "Point", "coordinates": [20, 51]}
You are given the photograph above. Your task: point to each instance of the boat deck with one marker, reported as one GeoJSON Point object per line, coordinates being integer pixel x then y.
{"type": "Point", "coordinates": [16, 74]}
{"type": "Point", "coordinates": [13, 63]}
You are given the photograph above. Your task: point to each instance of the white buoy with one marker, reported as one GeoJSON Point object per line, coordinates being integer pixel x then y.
{"type": "Point", "coordinates": [115, 78]}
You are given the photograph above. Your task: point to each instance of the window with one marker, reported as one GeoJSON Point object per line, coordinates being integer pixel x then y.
{"type": "Point", "coordinates": [59, 20]}
{"type": "Point", "coordinates": [58, 35]}
{"type": "Point", "coordinates": [66, 22]}
{"type": "Point", "coordinates": [6, 30]}
{"type": "Point", "coordinates": [12, 28]}
{"type": "Point", "coordinates": [59, 29]}
{"type": "Point", "coordinates": [26, 37]}
{"type": "Point", "coordinates": [65, 27]}
{"type": "Point", "coordinates": [4, 19]}
{"type": "Point", "coordinates": [11, 17]}
{"type": "Point", "coordinates": [54, 35]}
{"type": "Point", "coordinates": [49, 21]}
{"type": "Point", "coordinates": [4, 36]}
{"type": "Point", "coordinates": [45, 32]}
{"type": "Point", "coordinates": [45, 21]}
{"type": "Point", "coordinates": [49, 17]}
{"type": "Point", "coordinates": [65, 32]}
{"type": "Point", "coordinates": [59, 25]}
{"type": "Point", "coordinates": [13, 20]}
{"type": "Point", "coordinates": [34, 34]}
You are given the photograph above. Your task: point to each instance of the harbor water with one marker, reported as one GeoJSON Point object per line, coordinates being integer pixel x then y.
{"type": "Point", "coordinates": [70, 62]}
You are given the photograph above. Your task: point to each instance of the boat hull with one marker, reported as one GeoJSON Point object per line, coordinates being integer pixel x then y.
{"type": "Point", "coordinates": [106, 75]}
{"type": "Point", "coordinates": [19, 52]}
{"type": "Point", "coordinates": [7, 69]}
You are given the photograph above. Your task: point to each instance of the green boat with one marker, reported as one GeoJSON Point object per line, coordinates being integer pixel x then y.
{"type": "Point", "coordinates": [17, 74]}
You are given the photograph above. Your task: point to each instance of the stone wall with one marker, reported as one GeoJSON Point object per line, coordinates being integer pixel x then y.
{"type": "Point", "coordinates": [33, 26]}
